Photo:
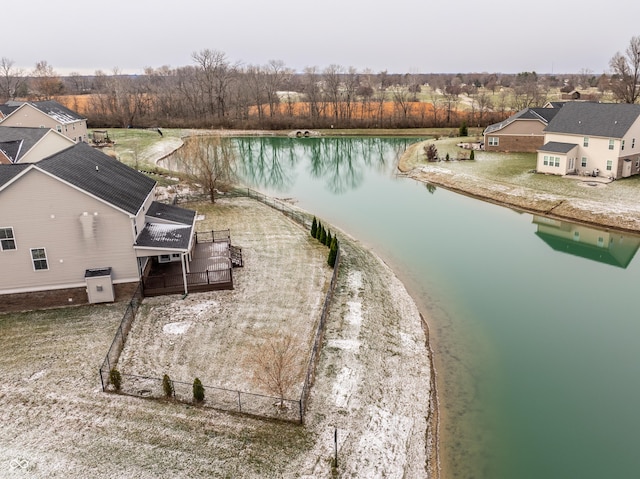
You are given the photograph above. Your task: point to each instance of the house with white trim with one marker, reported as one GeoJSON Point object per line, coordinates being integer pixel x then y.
{"type": "Point", "coordinates": [521, 132]}
{"type": "Point", "coordinates": [595, 139]}
{"type": "Point", "coordinates": [45, 114]}
{"type": "Point", "coordinates": [79, 226]}
{"type": "Point", "coordinates": [29, 145]}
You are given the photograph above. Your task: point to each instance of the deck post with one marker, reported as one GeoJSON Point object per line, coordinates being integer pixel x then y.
{"type": "Point", "coordinates": [184, 273]}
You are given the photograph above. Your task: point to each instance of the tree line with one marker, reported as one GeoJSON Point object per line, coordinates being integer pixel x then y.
{"type": "Point", "coordinates": [216, 92]}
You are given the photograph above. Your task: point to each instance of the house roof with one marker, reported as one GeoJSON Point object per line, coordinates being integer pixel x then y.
{"type": "Point", "coordinates": [16, 141]}
{"type": "Point", "coordinates": [6, 109]}
{"type": "Point", "coordinates": [100, 175]}
{"type": "Point", "coordinates": [557, 147]}
{"type": "Point", "coordinates": [162, 235]}
{"type": "Point", "coordinates": [609, 120]}
{"type": "Point", "coordinates": [171, 213]}
{"type": "Point", "coordinates": [55, 110]}
{"type": "Point", "coordinates": [543, 115]}
{"type": "Point", "coordinates": [9, 172]}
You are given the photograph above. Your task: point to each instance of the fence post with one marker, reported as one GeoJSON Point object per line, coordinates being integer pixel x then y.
{"type": "Point", "coordinates": [101, 380]}
{"type": "Point", "coordinates": [301, 413]}
{"type": "Point", "coordinates": [239, 403]}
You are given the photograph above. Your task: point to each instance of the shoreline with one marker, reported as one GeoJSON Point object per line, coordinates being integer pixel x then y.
{"type": "Point", "coordinates": [589, 213]}
{"type": "Point", "coordinates": [432, 431]}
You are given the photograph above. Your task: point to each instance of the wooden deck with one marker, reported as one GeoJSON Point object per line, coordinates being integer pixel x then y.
{"type": "Point", "coordinates": [210, 269]}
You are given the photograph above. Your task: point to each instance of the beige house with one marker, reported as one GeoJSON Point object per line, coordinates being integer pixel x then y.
{"type": "Point", "coordinates": [45, 114]}
{"type": "Point", "coordinates": [29, 145]}
{"type": "Point", "coordinates": [79, 227]}
{"type": "Point", "coordinates": [595, 139]}
{"type": "Point", "coordinates": [521, 132]}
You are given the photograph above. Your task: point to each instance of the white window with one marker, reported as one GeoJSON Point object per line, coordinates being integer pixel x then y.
{"type": "Point", "coordinates": [546, 160]}
{"type": "Point", "coordinates": [611, 143]}
{"type": "Point", "coordinates": [583, 163]}
{"type": "Point", "coordinates": [585, 141]}
{"type": "Point", "coordinates": [493, 141]}
{"type": "Point", "coordinates": [59, 128]}
{"type": "Point", "coordinates": [557, 158]}
{"type": "Point", "coordinates": [39, 258]}
{"type": "Point", "coordinates": [609, 165]}
{"type": "Point", "coordinates": [7, 240]}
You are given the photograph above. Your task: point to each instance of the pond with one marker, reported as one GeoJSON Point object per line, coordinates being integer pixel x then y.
{"type": "Point", "coordinates": [534, 322]}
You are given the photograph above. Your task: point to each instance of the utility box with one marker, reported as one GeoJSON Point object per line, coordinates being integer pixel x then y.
{"type": "Point", "coordinates": [99, 285]}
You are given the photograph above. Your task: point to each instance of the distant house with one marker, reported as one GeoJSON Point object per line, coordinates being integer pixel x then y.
{"type": "Point", "coordinates": [45, 114]}
{"type": "Point", "coordinates": [79, 227]}
{"type": "Point", "coordinates": [521, 132]}
{"type": "Point", "coordinates": [29, 145]}
{"type": "Point", "coordinates": [597, 139]}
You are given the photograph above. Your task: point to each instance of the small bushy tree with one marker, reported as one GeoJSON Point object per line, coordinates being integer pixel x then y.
{"type": "Point", "coordinates": [431, 151]}
{"type": "Point", "coordinates": [314, 228]}
{"type": "Point", "coordinates": [318, 231]}
{"type": "Point", "coordinates": [198, 391]}
{"type": "Point", "coordinates": [167, 386]}
{"type": "Point", "coordinates": [333, 252]}
{"type": "Point", "coordinates": [463, 130]}
{"type": "Point", "coordinates": [323, 236]}
{"type": "Point", "coordinates": [472, 156]}
{"type": "Point", "coordinates": [327, 243]}
{"type": "Point", "coordinates": [116, 378]}
{"type": "Point", "coordinates": [447, 157]}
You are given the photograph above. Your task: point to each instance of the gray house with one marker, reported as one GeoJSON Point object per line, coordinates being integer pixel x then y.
{"type": "Point", "coordinates": [29, 145]}
{"type": "Point", "coordinates": [78, 220]}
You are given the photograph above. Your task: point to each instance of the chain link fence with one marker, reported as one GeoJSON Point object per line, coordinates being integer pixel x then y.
{"type": "Point", "coordinates": [216, 397]}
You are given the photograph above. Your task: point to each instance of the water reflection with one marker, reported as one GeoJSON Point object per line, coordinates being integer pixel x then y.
{"type": "Point", "coordinates": [270, 163]}
{"type": "Point", "coordinates": [607, 247]}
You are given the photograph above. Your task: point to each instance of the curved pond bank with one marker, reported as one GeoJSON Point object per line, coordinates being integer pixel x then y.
{"type": "Point", "coordinates": [595, 213]}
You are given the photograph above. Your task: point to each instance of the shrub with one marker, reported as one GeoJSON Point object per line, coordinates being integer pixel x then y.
{"type": "Point", "coordinates": [314, 227]}
{"type": "Point", "coordinates": [318, 231]}
{"type": "Point", "coordinates": [116, 378]}
{"type": "Point", "coordinates": [167, 386]}
{"type": "Point", "coordinates": [327, 243]}
{"type": "Point", "coordinates": [463, 130]}
{"type": "Point", "coordinates": [447, 157]}
{"type": "Point", "coordinates": [472, 156]}
{"type": "Point", "coordinates": [432, 152]}
{"type": "Point", "coordinates": [323, 236]}
{"type": "Point", "coordinates": [333, 252]}
{"type": "Point", "coordinates": [198, 390]}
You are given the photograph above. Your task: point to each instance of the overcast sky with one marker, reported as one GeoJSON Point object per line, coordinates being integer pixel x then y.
{"type": "Point", "coordinates": [399, 36]}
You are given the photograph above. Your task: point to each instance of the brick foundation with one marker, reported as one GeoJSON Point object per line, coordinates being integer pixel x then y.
{"type": "Point", "coordinates": [525, 143]}
{"type": "Point", "coordinates": [58, 298]}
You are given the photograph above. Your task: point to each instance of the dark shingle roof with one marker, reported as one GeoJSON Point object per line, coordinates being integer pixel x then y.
{"type": "Point", "coordinates": [6, 109]}
{"type": "Point", "coordinates": [157, 235]}
{"type": "Point", "coordinates": [100, 175]}
{"type": "Point", "coordinates": [19, 140]}
{"type": "Point", "coordinates": [171, 213]}
{"type": "Point", "coordinates": [8, 172]}
{"type": "Point", "coordinates": [543, 115]}
{"type": "Point", "coordinates": [557, 147]}
{"type": "Point", "coordinates": [57, 111]}
{"type": "Point", "coordinates": [609, 120]}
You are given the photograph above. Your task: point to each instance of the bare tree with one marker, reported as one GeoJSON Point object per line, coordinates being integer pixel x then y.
{"type": "Point", "coordinates": [209, 162]}
{"type": "Point", "coordinates": [278, 365]}
{"type": "Point", "coordinates": [11, 80]}
{"type": "Point", "coordinates": [45, 82]}
{"type": "Point", "coordinates": [626, 73]}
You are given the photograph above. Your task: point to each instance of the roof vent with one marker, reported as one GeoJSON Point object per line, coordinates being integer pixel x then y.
{"type": "Point", "coordinates": [97, 169]}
